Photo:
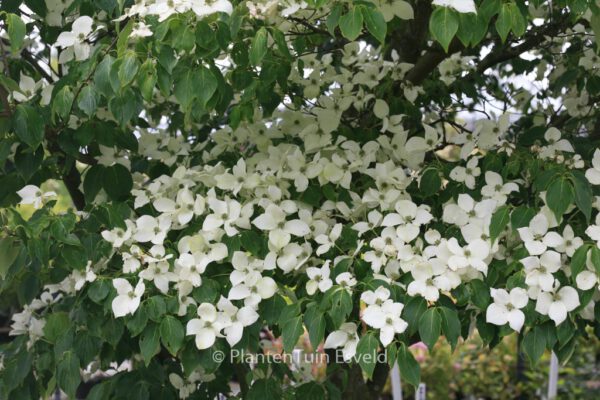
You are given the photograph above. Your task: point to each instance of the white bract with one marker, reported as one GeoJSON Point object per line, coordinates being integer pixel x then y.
{"type": "Point", "coordinates": [506, 308]}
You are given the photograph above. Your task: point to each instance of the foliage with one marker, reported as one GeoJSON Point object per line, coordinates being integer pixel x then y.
{"type": "Point", "coordinates": [378, 173]}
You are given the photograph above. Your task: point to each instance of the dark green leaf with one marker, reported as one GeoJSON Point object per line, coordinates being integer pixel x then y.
{"type": "Point", "coordinates": [366, 353]}
{"type": "Point", "coordinates": [28, 125]}
{"type": "Point", "coordinates": [430, 325]}
{"type": "Point", "coordinates": [172, 334]}
{"type": "Point", "coordinates": [117, 181]}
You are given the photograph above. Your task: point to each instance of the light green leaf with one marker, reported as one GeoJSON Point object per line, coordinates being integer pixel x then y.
{"type": "Point", "coordinates": [88, 100]}
{"type": "Point", "coordinates": [16, 32]}
{"type": "Point", "coordinates": [351, 23]}
{"type": "Point", "coordinates": [504, 21]}
{"type": "Point", "coordinates": [374, 22]}
{"type": "Point", "coordinates": [258, 47]}
{"type": "Point", "coordinates": [128, 68]}
{"type": "Point", "coordinates": [8, 254]}
{"type": "Point", "coordinates": [443, 25]}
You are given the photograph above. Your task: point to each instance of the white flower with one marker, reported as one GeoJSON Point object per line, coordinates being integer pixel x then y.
{"type": "Point", "coordinates": [377, 297]}
{"type": "Point", "coordinates": [398, 8]}
{"type": "Point", "coordinates": [473, 255]}
{"type": "Point", "coordinates": [318, 279]}
{"type": "Point", "coordinates": [128, 298]}
{"type": "Point", "coordinates": [225, 214]}
{"type": "Point", "coordinates": [117, 236]}
{"type": "Point", "coordinates": [570, 242]}
{"type": "Point", "coordinates": [80, 30]}
{"type": "Point", "coordinates": [539, 270]}
{"type": "Point", "coordinates": [506, 308]}
{"type": "Point", "coordinates": [537, 238]}
{"type": "Point", "coordinates": [496, 189]}
{"type": "Point", "coordinates": [28, 87]}
{"type": "Point", "coordinates": [33, 195]}
{"type": "Point", "coordinates": [238, 318]}
{"type": "Point", "coordinates": [207, 7]}
{"type": "Point", "coordinates": [206, 328]}
{"type": "Point", "coordinates": [586, 280]}
{"type": "Point", "coordinates": [150, 229]}
{"type": "Point", "coordinates": [374, 219]}
{"type": "Point", "coordinates": [558, 303]}
{"type": "Point", "coordinates": [409, 217]}
{"type": "Point", "coordinates": [556, 145]}
{"type": "Point", "coordinates": [345, 337]}
{"type": "Point", "coordinates": [462, 6]}
{"type": "Point", "coordinates": [593, 174]}
{"type": "Point", "coordinates": [274, 221]}
{"type": "Point", "coordinates": [254, 288]}
{"type": "Point", "coordinates": [345, 280]}
{"type": "Point", "coordinates": [387, 319]}
{"type": "Point", "coordinates": [328, 241]}
{"type": "Point", "coordinates": [466, 174]}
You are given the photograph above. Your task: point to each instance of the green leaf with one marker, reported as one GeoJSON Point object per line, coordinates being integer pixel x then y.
{"type": "Point", "coordinates": [333, 18]}
{"type": "Point", "coordinates": [374, 22]}
{"type": "Point", "coordinates": [258, 47]}
{"type": "Point", "coordinates": [413, 310]}
{"type": "Point", "coordinates": [199, 83]}
{"type": "Point", "coordinates": [263, 389]}
{"type": "Point", "coordinates": [171, 334]}
{"type": "Point", "coordinates": [28, 125]}
{"type": "Point", "coordinates": [409, 368]}
{"type": "Point", "coordinates": [443, 25]}
{"type": "Point", "coordinates": [351, 23]}
{"type": "Point", "coordinates": [430, 182]}
{"type": "Point", "coordinates": [450, 325]}
{"type": "Point", "coordinates": [62, 102]}
{"type": "Point", "coordinates": [518, 21]}
{"type": "Point", "coordinates": [595, 258]}
{"type": "Point", "coordinates": [292, 329]}
{"type": "Point", "coordinates": [314, 320]}
{"type": "Point", "coordinates": [480, 294]}
{"type": "Point", "coordinates": [150, 343]}
{"type": "Point", "coordinates": [8, 254]}
{"type": "Point", "coordinates": [504, 21]}
{"type": "Point", "coordinates": [57, 324]}
{"type": "Point", "coordinates": [88, 100]}
{"type": "Point", "coordinates": [430, 325]}
{"type": "Point", "coordinates": [584, 196]}
{"type": "Point", "coordinates": [128, 68]}
{"type": "Point", "coordinates": [102, 76]}
{"type": "Point", "coordinates": [147, 79]}
{"type": "Point", "coordinates": [67, 373]}
{"type": "Point", "coordinates": [117, 182]}
{"type": "Point", "coordinates": [311, 391]}
{"type": "Point", "coordinates": [366, 353]}
{"type": "Point", "coordinates": [123, 38]}
{"type": "Point", "coordinates": [521, 216]}
{"type": "Point", "coordinates": [93, 182]}
{"type": "Point", "coordinates": [534, 344]}
{"type": "Point", "coordinates": [579, 259]}
{"type": "Point", "coordinates": [559, 196]}
{"type": "Point", "coordinates": [16, 32]}
{"type": "Point", "coordinates": [499, 221]}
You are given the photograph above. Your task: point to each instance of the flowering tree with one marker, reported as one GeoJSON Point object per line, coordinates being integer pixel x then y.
{"type": "Point", "coordinates": [375, 173]}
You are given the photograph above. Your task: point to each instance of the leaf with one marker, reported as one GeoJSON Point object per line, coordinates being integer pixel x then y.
{"type": "Point", "coordinates": [499, 221]}
{"type": "Point", "coordinates": [430, 325]}
{"type": "Point", "coordinates": [150, 343]}
{"type": "Point", "coordinates": [584, 196]}
{"type": "Point", "coordinates": [8, 254]}
{"type": "Point", "coordinates": [559, 196]}
{"type": "Point", "coordinates": [480, 294]}
{"type": "Point", "coordinates": [123, 38]}
{"type": "Point", "coordinates": [311, 391]}
{"type": "Point", "coordinates": [595, 258]}
{"type": "Point", "coordinates": [93, 182]}
{"type": "Point", "coordinates": [62, 102]}
{"type": "Point", "coordinates": [102, 76]}
{"type": "Point", "coordinates": [117, 182]}
{"type": "Point", "coordinates": [128, 68]}
{"type": "Point", "coordinates": [258, 47]}
{"type": "Point", "coordinates": [88, 100]}
{"type": "Point", "coordinates": [68, 375]}
{"type": "Point", "coordinates": [28, 125]}
{"type": "Point", "coordinates": [199, 83]}
{"type": "Point", "coordinates": [351, 23]}
{"type": "Point", "coordinates": [521, 216]}
{"type": "Point", "coordinates": [534, 344]}
{"type": "Point", "coordinates": [57, 324]}
{"type": "Point", "coordinates": [375, 22]}
{"type": "Point", "coordinates": [450, 325]}
{"type": "Point", "coordinates": [504, 21]}
{"type": "Point", "coordinates": [430, 182]}
{"type": "Point", "coordinates": [409, 368]}
{"type": "Point", "coordinates": [171, 334]}
{"type": "Point", "coordinates": [263, 389]}
{"type": "Point", "coordinates": [366, 353]}
{"type": "Point", "coordinates": [443, 25]}
{"type": "Point", "coordinates": [292, 329]}
{"type": "Point", "coordinates": [16, 32]}
{"type": "Point", "coordinates": [333, 18]}
{"type": "Point", "coordinates": [578, 260]}
{"type": "Point", "coordinates": [414, 309]}
{"type": "Point", "coordinates": [98, 290]}
{"type": "Point", "coordinates": [314, 319]}
{"type": "Point", "coordinates": [518, 22]}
